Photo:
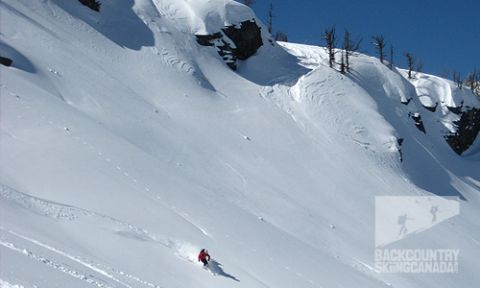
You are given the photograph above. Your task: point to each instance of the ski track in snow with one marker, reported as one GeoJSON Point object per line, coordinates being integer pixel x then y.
{"type": "Point", "coordinates": [59, 267]}
{"type": "Point", "coordinates": [57, 210]}
{"type": "Point", "coordinates": [61, 211]}
{"type": "Point", "coordinates": [235, 171]}
{"type": "Point", "coordinates": [68, 131]}
{"type": "Point", "coordinates": [101, 269]}
{"type": "Point", "coordinates": [123, 172]}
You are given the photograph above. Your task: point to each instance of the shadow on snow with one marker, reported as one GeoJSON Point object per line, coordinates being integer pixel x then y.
{"type": "Point", "coordinates": [116, 21]}
{"type": "Point", "coordinates": [217, 269]}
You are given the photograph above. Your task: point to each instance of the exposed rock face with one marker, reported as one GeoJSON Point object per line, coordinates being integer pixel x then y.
{"type": "Point", "coordinates": [456, 110]}
{"type": "Point", "coordinates": [235, 43]}
{"type": "Point", "coordinates": [92, 4]}
{"type": "Point", "coordinates": [418, 122]}
{"type": "Point", "coordinates": [406, 102]}
{"type": "Point", "coordinates": [431, 109]}
{"type": "Point", "coordinates": [6, 61]}
{"type": "Point", "coordinates": [468, 128]}
{"type": "Point", "coordinates": [247, 39]}
{"type": "Point", "coordinates": [208, 40]}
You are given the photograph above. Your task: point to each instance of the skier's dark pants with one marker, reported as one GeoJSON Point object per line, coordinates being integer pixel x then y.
{"type": "Point", "coordinates": [205, 262]}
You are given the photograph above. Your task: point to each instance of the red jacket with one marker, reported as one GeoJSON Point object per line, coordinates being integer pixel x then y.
{"type": "Point", "coordinates": [203, 256]}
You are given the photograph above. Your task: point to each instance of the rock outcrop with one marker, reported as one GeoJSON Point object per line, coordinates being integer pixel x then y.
{"type": "Point", "coordinates": [6, 61]}
{"type": "Point", "coordinates": [92, 4]}
{"type": "Point", "coordinates": [235, 43]}
{"type": "Point", "coordinates": [468, 128]}
{"type": "Point", "coordinates": [418, 121]}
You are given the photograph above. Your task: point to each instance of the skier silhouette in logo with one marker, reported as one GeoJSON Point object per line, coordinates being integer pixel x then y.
{"type": "Point", "coordinates": [402, 221]}
{"type": "Point", "coordinates": [434, 211]}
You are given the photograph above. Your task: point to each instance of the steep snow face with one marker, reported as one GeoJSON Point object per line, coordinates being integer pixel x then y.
{"type": "Point", "coordinates": [126, 147]}
{"type": "Point", "coordinates": [438, 102]}
{"type": "Point", "coordinates": [397, 100]}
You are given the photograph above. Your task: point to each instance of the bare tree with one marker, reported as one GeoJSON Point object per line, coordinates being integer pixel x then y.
{"type": "Point", "coordinates": [249, 3]}
{"type": "Point", "coordinates": [457, 79]}
{"type": "Point", "coordinates": [349, 48]}
{"type": "Point", "coordinates": [379, 45]}
{"type": "Point", "coordinates": [391, 57]}
{"type": "Point", "coordinates": [473, 81]}
{"type": "Point", "coordinates": [270, 18]}
{"type": "Point", "coordinates": [476, 88]}
{"type": "Point", "coordinates": [411, 63]}
{"type": "Point", "coordinates": [330, 43]}
{"type": "Point", "coordinates": [476, 79]}
{"type": "Point", "coordinates": [343, 68]}
{"type": "Point", "coordinates": [281, 36]}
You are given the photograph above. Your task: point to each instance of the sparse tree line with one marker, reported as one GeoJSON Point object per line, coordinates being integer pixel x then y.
{"type": "Point", "coordinates": [350, 47]}
{"type": "Point", "coordinates": [472, 81]}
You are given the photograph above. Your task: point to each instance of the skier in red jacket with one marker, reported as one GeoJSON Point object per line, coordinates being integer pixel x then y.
{"type": "Point", "coordinates": [204, 257]}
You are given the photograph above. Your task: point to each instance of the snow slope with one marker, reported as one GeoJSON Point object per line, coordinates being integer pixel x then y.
{"type": "Point", "coordinates": [126, 147]}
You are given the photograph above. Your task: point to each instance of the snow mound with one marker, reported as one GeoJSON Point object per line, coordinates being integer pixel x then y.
{"type": "Point", "coordinates": [208, 17]}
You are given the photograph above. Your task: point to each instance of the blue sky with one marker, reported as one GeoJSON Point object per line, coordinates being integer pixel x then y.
{"type": "Point", "coordinates": [443, 34]}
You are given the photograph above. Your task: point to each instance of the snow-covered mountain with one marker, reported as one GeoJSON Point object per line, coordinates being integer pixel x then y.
{"type": "Point", "coordinates": [134, 136]}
